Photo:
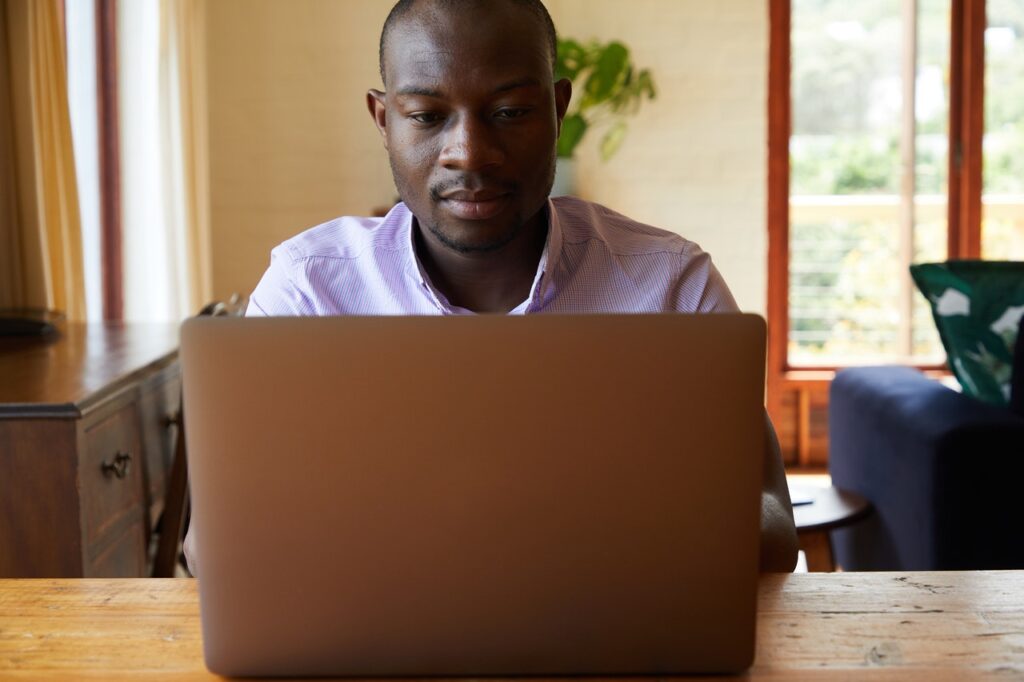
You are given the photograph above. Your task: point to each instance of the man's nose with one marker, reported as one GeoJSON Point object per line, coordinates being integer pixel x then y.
{"type": "Point", "coordinates": [471, 145]}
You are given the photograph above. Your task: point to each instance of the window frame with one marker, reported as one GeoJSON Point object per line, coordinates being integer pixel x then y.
{"type": "Point", "coordinates": [110, 160]}
{"type": "Point", "coordinates": [966, 130]}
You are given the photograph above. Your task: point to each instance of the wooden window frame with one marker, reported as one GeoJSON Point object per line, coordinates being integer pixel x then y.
{"type": "Point", "coordinates": [794, 419]}
{"type": "Point", "coordinates": [112, 267]}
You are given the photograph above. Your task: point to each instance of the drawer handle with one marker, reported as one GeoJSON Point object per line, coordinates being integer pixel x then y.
{"type": "Point", "coordinates": [118, 467]}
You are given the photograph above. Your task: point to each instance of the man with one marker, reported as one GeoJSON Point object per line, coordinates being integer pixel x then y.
{"type": "Point", "coordinates": [470, 120]}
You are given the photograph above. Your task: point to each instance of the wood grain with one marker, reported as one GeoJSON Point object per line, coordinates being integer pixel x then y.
{"type": "Point", "coordinates": [110, 159]}
{"type": "Point", "coordinates": [779, 125]}
{"type": "Point", "coordinates": [40, 528]}
{"type": "Point", "coordinates": [966, 127]}
{"type": "Point", "coordinates": [846, 626]}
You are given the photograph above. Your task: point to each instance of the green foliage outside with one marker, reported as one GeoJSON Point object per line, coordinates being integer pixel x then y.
{"type": "Point", "coordinates": [607, 88]}
{"type": "Point", "coordinates": [1004, 101]}
{"type": "Point", "coordinates": [845, 268]}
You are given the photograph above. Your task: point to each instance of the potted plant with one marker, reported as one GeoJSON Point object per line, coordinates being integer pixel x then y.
{"type": "Point", "coordinates": [607, 88]}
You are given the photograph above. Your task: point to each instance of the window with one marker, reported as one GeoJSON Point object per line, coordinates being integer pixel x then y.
{"type": "Point", "coordinates": [1002, 232]}
{"type": "Point", "coordinates": [879, 112]}
{"type": "Point", "coordinates": [83, 104]}
{"type": "Point", "coordinates": [90, 34]}
{"type": "Point", "coordinates": [136, 103]}
{"type": "Point", "coordinates": [868, 156]}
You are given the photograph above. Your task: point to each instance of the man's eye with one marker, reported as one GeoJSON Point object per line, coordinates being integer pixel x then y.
{"type": "Point", "coordinates": [425, 117]}
{"type": "Point", "coordinates": [511, 113]}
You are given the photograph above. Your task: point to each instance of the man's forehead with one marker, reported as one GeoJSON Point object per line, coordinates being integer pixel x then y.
{"type": "Point", "coordinates": [426, 64]}
{"type": "Point", "coordinates": [438, 43]}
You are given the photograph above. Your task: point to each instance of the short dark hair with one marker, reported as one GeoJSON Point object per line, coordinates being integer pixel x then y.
{"type": "Point", "coordinates": [402, 7]}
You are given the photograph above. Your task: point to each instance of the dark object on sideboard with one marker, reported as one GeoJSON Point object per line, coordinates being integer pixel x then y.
{"type": "Point", "coordinates": [28, 323]}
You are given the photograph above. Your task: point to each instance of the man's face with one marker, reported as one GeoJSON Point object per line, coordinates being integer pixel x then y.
{"type": "Point", "coordinates": [470, 121]}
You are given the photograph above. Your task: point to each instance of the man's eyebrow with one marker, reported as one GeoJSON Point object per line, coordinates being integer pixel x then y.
{"type": "Point", "coordinates": [418, 90]}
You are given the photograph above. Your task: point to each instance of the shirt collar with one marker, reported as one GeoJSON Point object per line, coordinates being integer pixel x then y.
{"type": "Point", "coordinates": [541, 292]}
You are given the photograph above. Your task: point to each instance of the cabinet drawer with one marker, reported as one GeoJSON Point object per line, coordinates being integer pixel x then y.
{"type": "Point", "coordinates": [119, 556]}
{"type": "Point", "coordinates": [110, 475]}
{"type": "Point", "coordinates": [159, 401]}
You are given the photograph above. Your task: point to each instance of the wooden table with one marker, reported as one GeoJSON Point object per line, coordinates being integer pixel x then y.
{"type": "Point", "coordinates": [844, 626]}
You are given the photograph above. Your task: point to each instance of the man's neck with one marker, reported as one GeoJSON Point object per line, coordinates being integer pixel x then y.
{"type": "Point", "coordinates": [493, 282]}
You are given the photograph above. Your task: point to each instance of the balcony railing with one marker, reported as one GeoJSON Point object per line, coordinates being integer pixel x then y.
{"type": "Point", "coordinates": [850, 289]}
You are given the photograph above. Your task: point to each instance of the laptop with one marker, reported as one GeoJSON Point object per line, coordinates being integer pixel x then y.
{"type": "Point", "coordinates": [476, 496]}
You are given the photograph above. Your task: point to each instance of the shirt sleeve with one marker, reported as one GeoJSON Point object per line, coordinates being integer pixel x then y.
{"type": "Point", "coordinates": [717, 296]}
{"type": "Point", "coordinates": [700, 287]}
{"type": "Point", "coordinates": [277, 294]}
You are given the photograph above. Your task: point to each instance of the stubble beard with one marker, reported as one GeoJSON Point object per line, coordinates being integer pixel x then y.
{"type": "Point", "coordinates": [461, 247]}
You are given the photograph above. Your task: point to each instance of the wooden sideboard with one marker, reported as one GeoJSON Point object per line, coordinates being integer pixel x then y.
{"type": "Point", "coordinates": [85, 446]}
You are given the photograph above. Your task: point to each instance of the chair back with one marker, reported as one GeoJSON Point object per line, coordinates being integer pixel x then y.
{"type": "Point", "coordinates": [174, 519]}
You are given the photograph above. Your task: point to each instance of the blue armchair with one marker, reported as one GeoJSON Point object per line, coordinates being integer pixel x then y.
{"type": "Point", "coordinates": [945, 472]}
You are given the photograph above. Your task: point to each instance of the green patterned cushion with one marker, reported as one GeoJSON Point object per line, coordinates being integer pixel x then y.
{"type": "Point", "coordinates": [977, 307]}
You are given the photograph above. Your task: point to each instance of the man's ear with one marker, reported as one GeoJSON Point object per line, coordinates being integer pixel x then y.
{"type": "Point", "coordinates": [375, 102]}
{"type": "Point", "coordinates": [563, 95]}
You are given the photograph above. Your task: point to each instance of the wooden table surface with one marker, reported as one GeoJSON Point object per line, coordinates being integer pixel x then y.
{"type": "Point", "coordinates": [843, 626]}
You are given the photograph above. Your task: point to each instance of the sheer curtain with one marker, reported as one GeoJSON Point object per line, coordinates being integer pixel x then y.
{"type": "Point", "coordinates": [163, 126]}
{"type": "Point", "coordinates": [40, 231]}
{"type": "Point", "coordinates": [183, 63]}
{"type": "Point", "coordinates": [83, 98]}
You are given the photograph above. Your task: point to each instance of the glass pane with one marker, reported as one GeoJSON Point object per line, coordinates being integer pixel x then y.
{"type": "Point", "coordinates": [1003, 197]}
{"type": "Point", "coordinates": [850, 295]}
{"type": "Point", "coordinates": [80, 32]}
{"type": "Point", "coordinates": [931, 165]}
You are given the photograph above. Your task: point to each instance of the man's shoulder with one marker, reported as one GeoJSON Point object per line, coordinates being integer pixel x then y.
{"type": "Point", "coordinates": [642, 268]}
{"type": "Point", "coordinates": [584, 221]}
{"type": "Point", "coordinates": [348, 237]}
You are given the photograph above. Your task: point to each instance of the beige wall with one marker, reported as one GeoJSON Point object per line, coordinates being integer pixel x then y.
{"type": "Point", "coordinates": [291, 142]}
{"type": "Point", "coordinates": [292, 145]}
{"type": "Point", "coordinates": [695, 159]}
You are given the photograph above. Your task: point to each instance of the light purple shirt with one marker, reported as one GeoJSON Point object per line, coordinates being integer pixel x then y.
{"type": "Point", "coordinates": [595, 261]}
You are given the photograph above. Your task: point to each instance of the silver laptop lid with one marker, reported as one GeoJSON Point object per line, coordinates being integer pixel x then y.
{"type": "Point", "coordinates": [486, 495]}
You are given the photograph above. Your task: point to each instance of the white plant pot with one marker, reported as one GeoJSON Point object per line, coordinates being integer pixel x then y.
{"type": "Point", "coordinates": [565, 178]}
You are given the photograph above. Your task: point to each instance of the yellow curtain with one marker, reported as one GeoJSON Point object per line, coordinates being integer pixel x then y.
{"type": "Point", "coordinates": [40, 230]}
{"type": "Point", "coordinates": [183, 89]}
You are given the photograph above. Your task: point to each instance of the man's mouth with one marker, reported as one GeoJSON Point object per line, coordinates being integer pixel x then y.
{"type": "Point", "coordinates": [475, 205]}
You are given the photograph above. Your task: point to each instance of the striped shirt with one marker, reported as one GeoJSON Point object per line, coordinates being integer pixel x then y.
{"type": "Point", "coordinates": [595, 261]}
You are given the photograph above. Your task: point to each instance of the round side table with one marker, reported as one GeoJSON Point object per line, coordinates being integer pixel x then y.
{"type": "Point", "coordinates": [825, 509]}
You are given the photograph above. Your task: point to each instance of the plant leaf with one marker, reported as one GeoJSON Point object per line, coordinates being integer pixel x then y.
{"type": "Point", "coordinates": [646, 84]}
{"type": "Point", "coordinates": [612, 140]}
{"type": "Point", "coordinates": [607, 88]}
{"type": "Point", "coordinates": [608, 72]}
{"type": "Point", "coordinates": [572, 58]}
{"type": "Point", "coordinates": [573, 128]}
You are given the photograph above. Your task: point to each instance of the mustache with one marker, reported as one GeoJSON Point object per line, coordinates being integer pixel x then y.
{"type": "Point", "coordinates": [472, 184]}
